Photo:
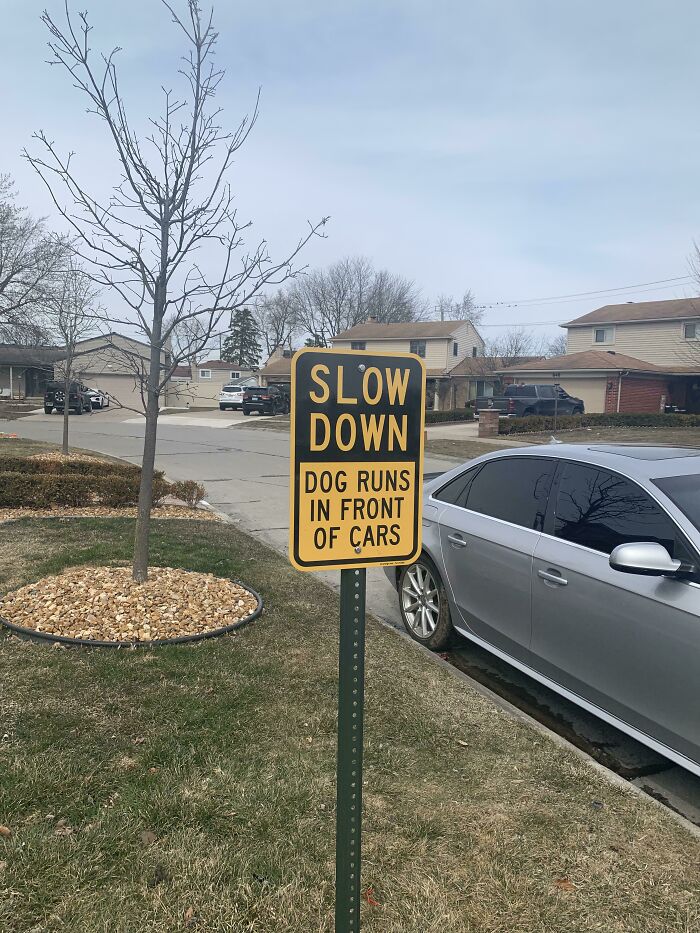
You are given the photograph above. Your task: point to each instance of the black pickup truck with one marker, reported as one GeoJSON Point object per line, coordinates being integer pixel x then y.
{"type": "Point", "coordinates": [519, 401]}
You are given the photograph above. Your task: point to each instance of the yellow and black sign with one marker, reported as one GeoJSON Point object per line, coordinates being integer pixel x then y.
{"type": "Point", "coordinates": [356, 458]}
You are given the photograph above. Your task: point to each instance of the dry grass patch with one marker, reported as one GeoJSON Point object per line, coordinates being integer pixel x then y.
{"type": "Point", "coordinates": [198, 782]}
{"type": "Point", "coordinates": [101, 511]}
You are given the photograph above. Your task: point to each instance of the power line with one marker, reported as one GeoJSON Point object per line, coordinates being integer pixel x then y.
{"type": "Point", "coordinates": [580, 295]}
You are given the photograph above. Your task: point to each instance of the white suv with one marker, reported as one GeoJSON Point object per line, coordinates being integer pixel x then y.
{"type": "Point", "coordinates": [231, 396]}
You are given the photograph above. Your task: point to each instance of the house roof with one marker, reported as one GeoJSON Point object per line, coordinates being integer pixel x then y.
{"type": "Point", "coordinates": [483, 365]}
{"type": "Point", "coordinates": [587, 360]}
{"type": "Point", "coordinates": [410, 330]}
{"type": "Point", "coordinates": [676, 309]}
{"type": "Point", "coordinates": [12, 354]}
{"type": "Point", "coordinates": [282, 366]}
{"type": "Point", "coordinates": [221, 364]}
{"type": "Point", "coordinates": [183, 371]}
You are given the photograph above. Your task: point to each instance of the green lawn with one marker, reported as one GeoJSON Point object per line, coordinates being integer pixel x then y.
{"type": "Point", "coordinates": [193, 787]}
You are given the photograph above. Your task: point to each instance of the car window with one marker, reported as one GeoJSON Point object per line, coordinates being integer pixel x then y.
{"type": "Point", "coordinates": [547, 392]}
{"type": "Point", "coordinates": [514, 489]}
{"type": "Point", "coordinates": [600, 510]}
{"type": "Point", "coordinates": [455, 492]}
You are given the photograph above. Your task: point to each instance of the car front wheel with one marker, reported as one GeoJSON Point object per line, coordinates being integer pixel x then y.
{"type": "Point", "coordinates": [423, 602]}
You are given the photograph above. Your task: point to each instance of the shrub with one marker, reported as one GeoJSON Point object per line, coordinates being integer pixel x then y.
{"type": "Point", "coordinates": [454, 414]}
{"type": "Point", "coordinates": [188, 491]}
{"type": "Point", "coordinates": [63, 467]}
{"type": "Point", "coordinates": [161, 489]}
{"type": "Point", "coordinates": [537, 423]}
{"type": "Point", "coordinates": [117, 491]}
{"type": "Point", "coordinates": [41, 491]}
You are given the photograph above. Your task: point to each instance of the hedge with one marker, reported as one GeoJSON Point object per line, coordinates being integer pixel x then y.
{"type": "Point", "coordinates": [41, 491]}
{"type": "Point", "coordinates": [44, 490]}
{"type": "Point", "coordinates": [63, 467]}
{"type": "Point", "coordinates": [454, 414]}
{"type": "Point", "coordinates": [538, 423]}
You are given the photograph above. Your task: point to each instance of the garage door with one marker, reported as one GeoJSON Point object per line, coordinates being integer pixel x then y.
{"type": "Point", "coordinates": [119, 388]}
{"type": "Point", "coordinates": [590, 391]}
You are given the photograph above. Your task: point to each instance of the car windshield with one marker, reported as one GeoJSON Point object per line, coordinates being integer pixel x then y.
{"type": "Point", "coordinates": [684, 492]}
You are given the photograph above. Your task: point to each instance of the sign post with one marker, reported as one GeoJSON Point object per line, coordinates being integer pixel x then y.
{"type": "Point", "coordinates": [355, 501]}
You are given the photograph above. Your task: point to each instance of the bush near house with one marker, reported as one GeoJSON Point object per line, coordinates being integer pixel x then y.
{"type": "Point", "coordinates": [538, 423]}
{"type": "Point", "coordinates": [453, 414]}
{"type": "Point", "coordinates": [53, 466]}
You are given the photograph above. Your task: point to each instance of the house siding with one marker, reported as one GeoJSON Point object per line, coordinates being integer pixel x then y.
{"type": "Point", "coordinates": [659, 342]}
{"type": "Point", "coordinates": [436, 350]}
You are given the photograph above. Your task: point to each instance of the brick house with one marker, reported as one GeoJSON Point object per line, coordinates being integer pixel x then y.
{"type": "Point", "coordinates": [638, 357]}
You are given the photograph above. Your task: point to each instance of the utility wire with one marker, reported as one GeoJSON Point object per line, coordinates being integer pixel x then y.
{"type": "Point", "coordinates": [580, 295]}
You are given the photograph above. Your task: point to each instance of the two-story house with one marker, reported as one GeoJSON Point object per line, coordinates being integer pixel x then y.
{"type": "Point", "coordinates": [443, 346]}
{"type": "Point", "coordinates": [197, 385]}
{"type": "Point", "coordinates": [632, 357]}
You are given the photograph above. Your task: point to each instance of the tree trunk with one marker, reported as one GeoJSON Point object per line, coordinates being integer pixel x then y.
{"type": "Point", "coordinates": [66, 410]}
{"type": "Point", "coordinates": [143, 517]}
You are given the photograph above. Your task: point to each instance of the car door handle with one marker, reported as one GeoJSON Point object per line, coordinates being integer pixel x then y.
{"type": "Point", "coordinates": [550, 577]}
{"type": "Point", "coordinates": [456, 541]}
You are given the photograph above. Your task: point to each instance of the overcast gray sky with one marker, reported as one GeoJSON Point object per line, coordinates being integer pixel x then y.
{"type": "Point", "coordinates": [520, 148]}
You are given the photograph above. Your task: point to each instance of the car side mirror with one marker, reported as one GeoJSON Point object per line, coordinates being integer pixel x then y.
{"type": "Point", "coordinates": [644, 557]}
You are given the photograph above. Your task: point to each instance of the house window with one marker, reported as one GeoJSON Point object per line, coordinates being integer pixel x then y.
{"type": "Point", "coordinates": [418, 347]}
{"type": "Point", "coordinates": [690, 331]}
{"type": "Point", "coordinates": [455, 348]}
{"type": "Point", "coordinates": [604, 335]}
{"type": "Point", "coordinates": [205, 374]}
{"type": "Point", "coordinates": [235, 375]}
{"type": "Point", "coordinates": [473, 351]}
{"type": "Point", "coordinates": [358, 344]}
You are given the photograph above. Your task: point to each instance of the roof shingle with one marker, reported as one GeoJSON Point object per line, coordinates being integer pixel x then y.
{"type": "Point", "coordinates": [676, 309]}
{"type": "Point", "coordinates": [600, 360]}
{"type": "Point", "coordinates": [410, 330]}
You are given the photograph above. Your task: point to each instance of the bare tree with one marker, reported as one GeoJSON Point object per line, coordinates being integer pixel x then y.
{"type": "Point", "coordinates": [30, 257]}
{"type": "Point", "coordinates": [449, 308]}
{"type": "Point", "coordinates": [276, 318]}
{"type": "Point", "coordinates": [513, 346]}
{"type": "Point", "coordinates": [329, 301]}
{"type": "Point", "coordinates": [71, 315]}
{"type": "Point", "coordinates": [172, 201]}
{"type": "Point", "coordinates": [557, 345]}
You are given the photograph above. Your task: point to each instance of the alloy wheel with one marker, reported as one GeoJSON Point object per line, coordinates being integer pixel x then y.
{"type": "Point", "coordinates": [420, 600]}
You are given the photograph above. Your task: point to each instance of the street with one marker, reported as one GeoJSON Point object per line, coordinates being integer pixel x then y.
{"type": "Point", "coordinates": [246, 474]}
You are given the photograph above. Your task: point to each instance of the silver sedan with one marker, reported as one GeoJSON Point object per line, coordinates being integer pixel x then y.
{"type": "Point", "coordinates": [579, 566]}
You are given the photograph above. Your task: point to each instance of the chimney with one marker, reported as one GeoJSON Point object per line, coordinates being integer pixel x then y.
{"type": "Point", "coordinates": [611, 352]}
{"type": "Point", "coordinates": [372, 319]}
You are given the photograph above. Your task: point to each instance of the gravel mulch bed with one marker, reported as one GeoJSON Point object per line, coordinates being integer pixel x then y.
{"type": "Point", "coordinates": [105, 604]}
{"type": "Point", "coordinates": [98, 511]}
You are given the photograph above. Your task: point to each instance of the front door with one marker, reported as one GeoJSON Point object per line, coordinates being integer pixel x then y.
{"type": "Point", "coordinates": [629, 644]}
{"type": "Point", "coordinates": [488, 539]}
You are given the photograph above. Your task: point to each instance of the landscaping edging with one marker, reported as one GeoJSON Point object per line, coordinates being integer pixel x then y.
{"type": "Point", "coordinates": [33, 635]}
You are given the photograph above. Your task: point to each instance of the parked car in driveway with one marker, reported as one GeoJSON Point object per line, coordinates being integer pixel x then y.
{"type": "Point", "coordinates": [266, 400]}
{"type": "Point", "coordinates": [98, 398]}
{"type": "Point", "coordinates": [579, 566]}
{"type": "Point", "coordinates": [520, 401]}
{"type": "Point", "coordinates": [231, 397]}
{"type": "Point", "coordinates": [78, 397]}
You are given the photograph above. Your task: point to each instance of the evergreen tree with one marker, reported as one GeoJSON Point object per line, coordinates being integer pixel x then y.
{"type": "Point", "coordinates": [242, 346]}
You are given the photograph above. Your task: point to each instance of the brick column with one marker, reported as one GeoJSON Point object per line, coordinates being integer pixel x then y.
{"type": "Point", "coordinates": [488, 422]}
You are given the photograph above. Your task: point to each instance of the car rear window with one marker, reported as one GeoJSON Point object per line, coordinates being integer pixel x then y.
{"type": "Point", "coordinates": [521, 391]}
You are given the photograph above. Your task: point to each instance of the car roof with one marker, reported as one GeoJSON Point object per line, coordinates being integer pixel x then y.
{"type": "Point", "coordinates": [646, 461]}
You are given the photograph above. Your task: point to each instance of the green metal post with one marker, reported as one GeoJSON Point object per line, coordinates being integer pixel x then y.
{"type": "Point", "coordinates": [351, 700]}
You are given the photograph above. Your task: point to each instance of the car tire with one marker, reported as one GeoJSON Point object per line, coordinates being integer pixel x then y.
{"type": "Point", "coordinates": [429, 623]}
{"type": "Point", "coordinates": [577, 411]}
{"type": "Point", "coordinates": [47, 410]}
{"type": "Point", "coordinates": [528, 412]}
{"type": "Point", "coordinates": [222, 408]}
{"type": "Point", "coordinates": [246, 413]}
